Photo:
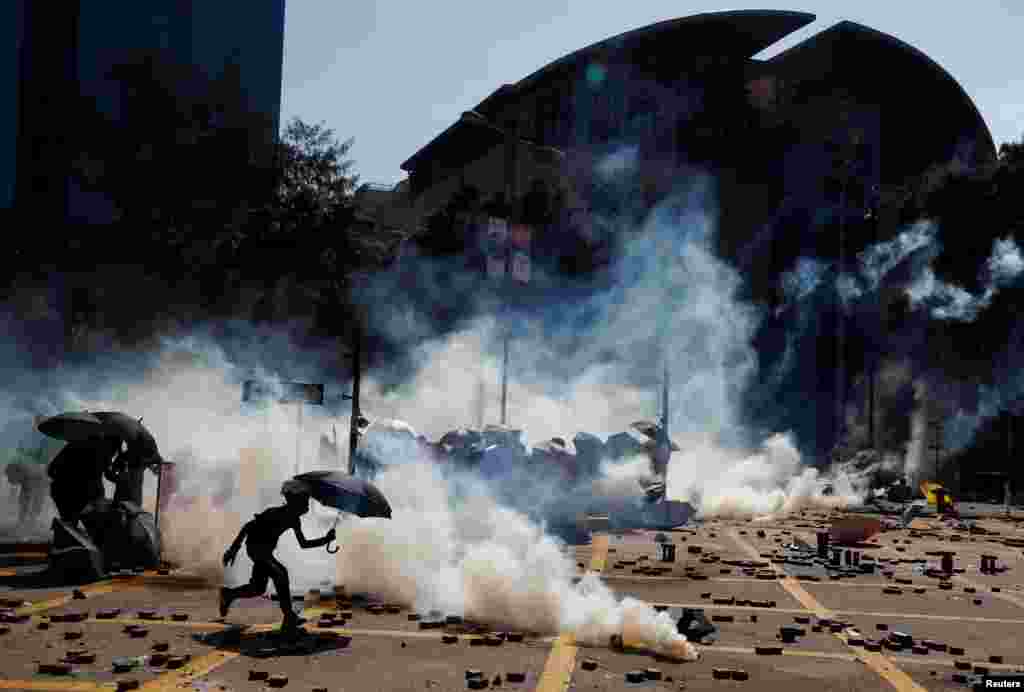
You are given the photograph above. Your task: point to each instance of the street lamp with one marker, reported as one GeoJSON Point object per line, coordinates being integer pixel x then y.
{"type": "Point", "coordinates": [512, 140]}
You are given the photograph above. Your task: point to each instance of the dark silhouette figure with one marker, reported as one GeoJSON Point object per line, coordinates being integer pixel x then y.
{"type": "Point", "coordinates": [77, 475]}
{"type": "Point", "coordinates": [261, 535]}
{"type": "Point", "coordinates": [30, 483]}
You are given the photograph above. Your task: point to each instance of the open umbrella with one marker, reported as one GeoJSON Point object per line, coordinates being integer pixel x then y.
{"type": "Point", "coordinates": [346, 494]}
{"type": "Point", "coordinates": [73, 426]}
{"type": "Point", "coordinates": [140, 441]}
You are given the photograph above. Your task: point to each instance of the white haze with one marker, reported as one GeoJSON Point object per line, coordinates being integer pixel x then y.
{"type": "Point", "coordinates": [450, 545]}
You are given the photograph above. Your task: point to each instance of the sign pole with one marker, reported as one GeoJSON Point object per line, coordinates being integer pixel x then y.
{"type": "Point", "coordinates": [298, 435]}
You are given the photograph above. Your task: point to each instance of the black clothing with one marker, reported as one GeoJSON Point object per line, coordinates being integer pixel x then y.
{"type": "Point", "coordinates": [77, 473]}
{"type": "Point", "coordinates": [266, 568]}
{"type": "Point", "coordinates": [267, 527]}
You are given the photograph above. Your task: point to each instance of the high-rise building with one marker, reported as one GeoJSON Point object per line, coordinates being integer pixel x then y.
{"type": "Point", "coordinates": [58, 59]}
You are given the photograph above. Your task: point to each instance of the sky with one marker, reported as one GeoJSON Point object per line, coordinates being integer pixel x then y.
{"type": "Point", "coordinates": [393, 74]}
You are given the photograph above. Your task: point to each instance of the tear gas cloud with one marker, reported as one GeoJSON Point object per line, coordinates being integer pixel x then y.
{"type": "Point", "coordinates": [582, 364]}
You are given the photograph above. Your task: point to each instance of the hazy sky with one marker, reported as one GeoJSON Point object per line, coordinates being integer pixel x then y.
{"type": "Point", "coordinates": [395, 73]}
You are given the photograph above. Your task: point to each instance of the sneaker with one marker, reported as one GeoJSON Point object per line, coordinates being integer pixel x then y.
{"type": "Point", "coordinates": [225, 602]}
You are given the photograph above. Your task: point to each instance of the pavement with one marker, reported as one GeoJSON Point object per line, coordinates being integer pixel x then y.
{"type": "Point", "coordinates": [748, 576]}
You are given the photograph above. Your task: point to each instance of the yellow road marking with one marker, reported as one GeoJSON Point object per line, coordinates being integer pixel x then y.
{"type": "Point", "coordinates": [803, 653]}
{"type": "Point", "coordinates": [844, 583]}
{"type": "Point", "coordinates": [854, 613]}
{"type": "Point", "coordinates": [1008, 597]}
{"type": "Point", "coordinates": [561, 661]}
{"type": "Point", "coordinates": [56, 686]}
{"type": "Point", "coordinates": [877, 662]}
{"type": "Point", "coordinates": [96, 589]}
{"type": "Point", "coordinates": [196, 668]}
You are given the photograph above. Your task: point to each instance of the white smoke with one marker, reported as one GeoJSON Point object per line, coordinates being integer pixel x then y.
{"type": "Point", "coordinates": [466, 555]}
{"type": "Point", "coordinates": [947, 301]}
{"type": "Point", "coordinates": [726, 483]}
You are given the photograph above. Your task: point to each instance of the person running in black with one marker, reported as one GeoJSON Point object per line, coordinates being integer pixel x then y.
{"type": "Point", "coordinates": [260, 536]}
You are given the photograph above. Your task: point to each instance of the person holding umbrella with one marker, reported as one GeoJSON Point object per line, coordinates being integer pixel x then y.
{"type": "Point", "coordinates": [260, 536]}
{"type": "Point", "coordinates": [331, 489]}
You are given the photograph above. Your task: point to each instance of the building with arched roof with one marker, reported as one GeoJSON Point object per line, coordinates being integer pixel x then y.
{"type": "Point", "coordinates": [800, 146]}
{"type": "Point", "coordinates": [679, 89]}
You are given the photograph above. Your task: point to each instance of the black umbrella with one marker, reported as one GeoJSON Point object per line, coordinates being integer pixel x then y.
{"type": "Point", "coordinates": [73, 426]}
{"type": "Point", "coordinates": [346, 494]}
{"type": "Point", "coordinates": [140, 441]}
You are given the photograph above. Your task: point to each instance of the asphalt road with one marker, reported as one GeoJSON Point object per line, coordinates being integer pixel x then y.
{"type": "Point", "coordinates": [390, 649]}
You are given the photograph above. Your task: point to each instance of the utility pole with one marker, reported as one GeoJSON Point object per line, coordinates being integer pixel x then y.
{"type": "Point", "coordinates": [936, 445]}
{"type": "Point", "coordinates": [848, 158]}
{"type": "Point", "coordinates": [353, 435]}
{"type": "Point", "coordinates": [511, 142]}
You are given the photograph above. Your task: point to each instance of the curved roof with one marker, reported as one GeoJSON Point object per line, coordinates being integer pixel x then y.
{"type": "Point", "coordinates": [740, 33]}
{"type": "Point", "coordinates": [906, 69]}
{"type": "Point", "coordinates": [744, 33]}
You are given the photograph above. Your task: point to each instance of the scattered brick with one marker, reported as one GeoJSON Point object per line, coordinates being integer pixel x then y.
{"type": "Point", "coordinates": [515, 677]}
{"type": "Point", "coordinates": [54, 668]}
{"type": "Point", "coordinates": [158, 660]}
{"type": "Point", "coordinates": [956, 651]}
{"type": "Point", "coordinates": [126, 685]}
{"type": "Point", "coordinates": [962, 665]}
{"type": "Point", "coordinates": [588, 664]}
{"type": "Point", "coordinates": [739, 675]}
{"type": "Point", "coordinates": [718, 674]}
{"type": "Point", "coordinates": [72, 635]}
{"type": "Point", "coordinates": [723, 618]}
{"type": "Point", "coordinates": [277, 680]}
{"type": "Point", "coordinates": [768, 650]}
{"type": "Point", "coordinates": [653, 674]}
{"type": "Point", "coordinates": [515, 636]}
{"type": "Point", "coordinates": [995, 659]}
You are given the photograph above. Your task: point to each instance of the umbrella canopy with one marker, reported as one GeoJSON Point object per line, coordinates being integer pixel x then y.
{"type": "Point", "coordinates": [73, 426]}
{"type": "Point", "coordinates": [140, 441]}
{"type": "Point", "coordinates": [346, 493]}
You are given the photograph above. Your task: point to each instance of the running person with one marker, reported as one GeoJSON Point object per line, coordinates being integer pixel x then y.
{"type": "Point", "coordinates": [261, 535]}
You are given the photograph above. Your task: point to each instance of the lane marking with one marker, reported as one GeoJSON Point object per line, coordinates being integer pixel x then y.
{"type": "Point", "coordinates": [877, 662]}
{"type": "Point", "coordinates": [855, 613]}
{"type": "Point", "coordinates": [561, 662]}
{"type": "Point", "coordinates": [987, 590]}
{"type": "Point", "coordinates": [960, 579]}
{"type": "Point", "coordinates": [196, 668]}
{"type": "Point", "coordinates": [97, 589]}
{"type": "Point", "coordinates": [802, 653]}
{"type": "Point", "coordinates": [56, 686]}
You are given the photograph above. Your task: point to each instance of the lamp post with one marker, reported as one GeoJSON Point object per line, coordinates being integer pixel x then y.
{"type": "Point", "coordinates": [511, 142]}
